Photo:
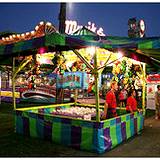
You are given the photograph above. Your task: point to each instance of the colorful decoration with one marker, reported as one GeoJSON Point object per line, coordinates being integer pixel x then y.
{"type": "Point", "coordinates": [80, 134]}
{"type": "Point", "coordinates": [59, 65]}
{"type": "Point", "coordinates": [40, 30]}
{"type": "Point", "coordinates": [72, 80]}
{"type": "Point", "coordinates": [127, 72]}
{"type": "Point", "coordinates": [32, 84]}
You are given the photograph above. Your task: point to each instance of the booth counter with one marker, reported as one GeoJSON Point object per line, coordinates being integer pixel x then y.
{"type": "Point", "coordinates": [40, 122]}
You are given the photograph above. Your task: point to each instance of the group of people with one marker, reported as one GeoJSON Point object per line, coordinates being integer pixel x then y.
{"type": "Point", "coordinates": [111, 103]}
{"type": "Point", "coordinates": [131, 102]}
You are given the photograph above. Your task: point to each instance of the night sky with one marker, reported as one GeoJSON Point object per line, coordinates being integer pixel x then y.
{"type": "Point", "coordinates": [112, 17]}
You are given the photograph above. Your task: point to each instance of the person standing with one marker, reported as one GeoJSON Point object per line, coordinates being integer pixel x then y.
{"type": "Point", "coordinates": [110, 103]}
{"type": "Point", "coordinates": [131, 102]}
{"type": "Point", "coordinates": [157, 102]}
{"type": "Point", "coordinates": [123, 97]}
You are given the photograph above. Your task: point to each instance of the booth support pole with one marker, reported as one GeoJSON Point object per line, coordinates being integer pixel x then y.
{"type": "Point", "coordinates": [22, 65]}
{"type": "Point", "coordinates": [13, 84]}
{"type": "Point", "coordinates": [96, 77]}
{"type": "Point", "coordinates": [144, 87]}
{"type": "Point", "coordinates": [76, 95]}
{"type": "Point", "coordinates": [97, 97]}
{"type": "Point", "coordinates": [0, 86]}
{"type": "Point", "coordinates": [14, 73]}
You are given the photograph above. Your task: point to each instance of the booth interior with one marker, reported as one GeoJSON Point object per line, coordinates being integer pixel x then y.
{"type": "Point", "coordinates": [73, 73]}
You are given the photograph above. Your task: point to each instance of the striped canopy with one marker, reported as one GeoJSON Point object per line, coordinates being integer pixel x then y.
{"type": "Point", "coordinates": [142, 49]}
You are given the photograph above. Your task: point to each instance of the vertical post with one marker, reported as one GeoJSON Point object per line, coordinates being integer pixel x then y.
{"type": "Point", "coordinates": [76, 95]}
{"type": "Point", "coordinates": [13, 84]}
{"type": "Point", "coordinates": [96, 77]}
{"type": "Point", "coordinates": [62, 91]}
{"type": "Point", "coordinates": [144, 87]}
{"type": "Point", "coordinates": [62, 17]}
{"type": "Point", "coordinates": [0, 86]}
{"type": "Point", "coordinates": [8, 77]}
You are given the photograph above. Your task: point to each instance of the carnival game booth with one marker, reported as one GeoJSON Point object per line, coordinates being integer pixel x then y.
{"type": "Point", "coordinates": [73, 124]}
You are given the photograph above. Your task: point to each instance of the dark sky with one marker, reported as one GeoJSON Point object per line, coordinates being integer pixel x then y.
{"type": "Point", "coordinates": [112, 17]}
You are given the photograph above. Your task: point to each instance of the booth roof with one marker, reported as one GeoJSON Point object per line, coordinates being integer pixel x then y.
{"type": "Point", "coordinates": [143, 49]}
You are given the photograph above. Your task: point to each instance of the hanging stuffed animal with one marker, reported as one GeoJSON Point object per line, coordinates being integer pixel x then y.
{"type": "Point", "coordinates": [58, 61]}
{"type": "Point", "coordinates": [116, 68]}
{"type": "Point", "coordinates": [123, 66]}
{"type": "Point", "coordinates": [125, 80]}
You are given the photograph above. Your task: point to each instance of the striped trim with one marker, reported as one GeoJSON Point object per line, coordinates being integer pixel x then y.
{"type": "Point", "coordinates": [80, 134]}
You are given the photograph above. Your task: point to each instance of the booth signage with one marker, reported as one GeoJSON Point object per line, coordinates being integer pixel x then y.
{"type": "Point", "coordinates": [153, 78]}
{"type": "Point", "coordinates": [72, 26]}
{"type": "Point", "coordinates": [72, 80]}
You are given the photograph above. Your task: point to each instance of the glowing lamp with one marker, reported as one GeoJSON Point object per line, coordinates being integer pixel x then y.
{"type": "Point", "coordinates": [32, 32]}
{"type": "Point", "coordinates": [42, 50]}
{"type": "Point", "coordinates": [119, 54]}
{"type": "Point", "coordinates": [41, 23]}
{"type": "Point", "coordinates": [101, 63]}
{"type": "Point", "coordinates": [108, 84]}
{"type": "Point", "coordinates": [22, 35]}
{"type": "Point", "coordinates": [48, 24]}
{"type": "Point", "coordinates": [27, 33]}
{"type": "Point", "coordinates": [7, 38]}
{"type": "Point", "coordinates": [42, 60]}
{"type": "Point", "coordinates": [18, 35]}
{"type": "Point", "coordinates": [3, 39]}
{"type": "Point", "coordinates": [91, 50]}
{"type": "Point", "coordinates": [14, 36]}
{"type": "Point", "coordinates": [36, 28]}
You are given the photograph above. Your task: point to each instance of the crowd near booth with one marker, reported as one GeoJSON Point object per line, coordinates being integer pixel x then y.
{"type": "Point", "coordinates": [77, 63]}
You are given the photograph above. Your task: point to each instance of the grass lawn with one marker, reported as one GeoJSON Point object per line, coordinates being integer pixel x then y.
{"type": "Point", "coordinates": [14, 145]}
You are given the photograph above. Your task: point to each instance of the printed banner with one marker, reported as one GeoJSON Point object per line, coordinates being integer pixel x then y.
{"type": "Point", "coordinates": [72, 80]}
